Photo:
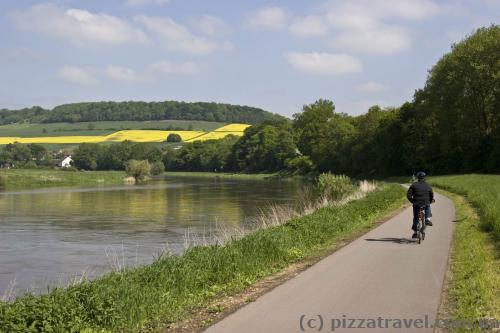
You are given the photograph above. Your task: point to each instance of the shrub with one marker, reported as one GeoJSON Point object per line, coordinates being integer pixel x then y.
{"type": "Point", "coordinates": [173, 137]}
{"type": "Point", "coordinates": [157, 168]}
{"type": "Point", "coordinates": [334, 187]}
{"type": "Point", "coordinates": [138, 169]}
{"type": "Point", "coordinates": [71, 169]}
{"type": "Point", "coordinates": [299, 164]}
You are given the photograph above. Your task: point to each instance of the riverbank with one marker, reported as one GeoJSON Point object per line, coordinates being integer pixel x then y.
{"type": "Point", "coordinates": [249, 176]}
{"type": "Point", "coordinates": [22, 179]}
{"type": "Point", "coordinates": [157, 295]}
{"type": "Point", "coordinates": [473, 291]}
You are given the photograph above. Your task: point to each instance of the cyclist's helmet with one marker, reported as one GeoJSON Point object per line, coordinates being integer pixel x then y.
{"type": "Point", "coordinates": [421, 175]}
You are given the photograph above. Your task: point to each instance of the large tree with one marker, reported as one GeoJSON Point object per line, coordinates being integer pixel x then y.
{"type": "Point", "coordinates": [459, 107]}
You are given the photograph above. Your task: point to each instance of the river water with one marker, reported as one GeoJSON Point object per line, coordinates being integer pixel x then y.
{"type": "Point", "coordinates": [49, 237]}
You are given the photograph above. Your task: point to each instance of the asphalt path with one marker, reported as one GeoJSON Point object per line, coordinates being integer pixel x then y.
{"type": "Point", "coordinates": [381, 282]}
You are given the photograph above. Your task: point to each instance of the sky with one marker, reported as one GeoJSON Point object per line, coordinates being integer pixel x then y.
{"type": "Point", "coordinates": [277, 55]}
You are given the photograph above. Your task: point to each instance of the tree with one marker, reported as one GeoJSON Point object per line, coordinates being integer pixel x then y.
{"type": "Point", "coordinates": [85, 156]}
{"type": "Point", "coordinates": [174, 137]}
{"type": "Point", "coordinates": [157, 168]}
{"type": "Point", "coordinates": [18, 152]}
{"type": "Point", "coordinates": [263, 148]}
{"type": "Point", "coordinates": [138, 169]}
{"type": "Point", "coordinates": [311, 128]}
{"type": "Point", "coordinates": [459, 106]}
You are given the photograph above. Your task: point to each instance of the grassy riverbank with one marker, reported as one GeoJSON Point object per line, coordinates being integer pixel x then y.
{"type": "Point", "coordinates": [164, 292]}
{"type": "Point", "coordinates": [474, 286]}
{"type": "Point", "coordinates": [20, 179]}
{"type": "Point", "coordinates": [221, 175]}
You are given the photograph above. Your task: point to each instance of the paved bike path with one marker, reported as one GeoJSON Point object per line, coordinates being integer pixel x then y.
{"type": "Point", "coordinates": [381, 274]}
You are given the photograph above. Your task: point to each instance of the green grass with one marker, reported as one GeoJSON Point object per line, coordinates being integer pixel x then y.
{"type": "Point", "coordinates": [100, 128]}
{"type": "Point", "coordinates": [166, 290]}
{"type": "Point", "coordinates": [474, 290]}
{"type": "Point", "coordinates": [19, 179]}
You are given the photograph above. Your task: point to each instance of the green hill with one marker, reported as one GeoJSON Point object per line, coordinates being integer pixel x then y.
{"type": "Point", "coordinates": [138, 111]}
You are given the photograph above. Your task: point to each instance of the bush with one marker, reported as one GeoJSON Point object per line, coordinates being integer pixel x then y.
{"type": "Point", "coordinates": [157, 168]}
{"type": "Point", "coordinates": [299, 164]}
{"type": "Point", "coordinates": [138, 169]}
{"type": "Point", "coordinates": [71, 169]}
{"type": "Point", "coordinates": [334, 187]}
{"type": "Point", "coordinates": [173, 137]}
{"type": "Point", "coordinates": [30, 165]}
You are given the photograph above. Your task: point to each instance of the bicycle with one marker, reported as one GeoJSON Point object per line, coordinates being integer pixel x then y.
{"type": "Point", "coordinates": [421, 225]}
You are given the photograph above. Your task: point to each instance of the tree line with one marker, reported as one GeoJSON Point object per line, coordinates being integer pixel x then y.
{"type": "Point", "coordinates": [451, 126]}
{"type": "Point", "coordinates": [26, 156]}
{"type": "Point", "coordinates": [138, 111]}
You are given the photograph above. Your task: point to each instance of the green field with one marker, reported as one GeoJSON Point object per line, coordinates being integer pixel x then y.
{"type": "Point", "coordinates": [20, 179]}
{"type": "Point", "coordinates": [163, 292]}
{"type": "Point", "coordinates": [474, 291]}
{"type": "Point", "coordinates": [28, 130]}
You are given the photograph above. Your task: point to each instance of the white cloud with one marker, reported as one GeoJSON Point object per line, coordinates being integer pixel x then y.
{"type": "Point", "coordinates": [210, 26]}
{"type": "Point", "coordinates": [78, 75]}
{"type": "Point", "coordinates": [371, 87]}
{"type": "Point", "coordinates": [151, 72]}
{"type": "Point", "coordinates": [362, 26]}
{"type": "Point", "coordinates": [166, 67]}
{"type": "Point", "coordinates": [135, 3]}
{"type": "Point", "coordinates": [381, 40]}
{"type": "Point", "coordinates": [123, 74]}
{"type": "Point", "coordinates": [79, 27]}
{"type": "Point", "coordinates": [271, 18]}
{"type": "Point", "coordinates": [376, 10]}
{"type": "Point", "coordinates": [309, 26]}
{"type": "Point", "coordinates": [324, 63]}
{"type": "Point", "coordinates": [176, 36]}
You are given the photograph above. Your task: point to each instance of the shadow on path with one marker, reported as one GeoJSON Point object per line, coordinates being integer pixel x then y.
{"type": "Point", "coordinates": [391, 240]}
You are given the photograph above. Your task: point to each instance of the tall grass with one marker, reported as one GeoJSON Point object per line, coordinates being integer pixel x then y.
{"type": "Point", "coordinates": [474, 291]}
{"type": "Point", "coordinates": [483, 191]}
{"type": "Point", "coordinates": [164, 291]}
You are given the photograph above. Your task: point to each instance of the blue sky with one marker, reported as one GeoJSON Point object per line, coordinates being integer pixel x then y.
{"type": "Point", "coordinates": [278, 55]}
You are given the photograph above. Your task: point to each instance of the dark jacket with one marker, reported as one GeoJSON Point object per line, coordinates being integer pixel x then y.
{"type": "Point", "coordinates": [420, 193]}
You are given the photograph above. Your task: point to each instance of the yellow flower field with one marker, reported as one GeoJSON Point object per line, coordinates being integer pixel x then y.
{"type": "Point", "coordinates": [134, 135]}
{"type": "Point", "coordinates": [233, 128]}
{"type": "Point", "coordinates": [215, 136]}
{"type": "Point", "coordinates": [150, 135]}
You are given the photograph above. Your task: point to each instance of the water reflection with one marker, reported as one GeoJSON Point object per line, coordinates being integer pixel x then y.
{"type": "Point", "coordinates": [49, 236]}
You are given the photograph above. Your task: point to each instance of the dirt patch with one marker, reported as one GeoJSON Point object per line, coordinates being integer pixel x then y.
{"type": "Point", "coordinates": [220, 307]}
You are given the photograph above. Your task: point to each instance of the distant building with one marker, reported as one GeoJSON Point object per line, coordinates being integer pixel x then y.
{"type": "Point", "coordinates": [65, 162]}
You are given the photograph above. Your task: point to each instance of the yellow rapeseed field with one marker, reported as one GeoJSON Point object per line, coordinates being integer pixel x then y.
{"type": "Point", "coordinates": [233, 128]}
{"type": "Point", "coordinates": [150, 135]}
{"type": "Point", "coordinates": [134, 135]}
{"type": "Point", "coordinates": [215, 136]}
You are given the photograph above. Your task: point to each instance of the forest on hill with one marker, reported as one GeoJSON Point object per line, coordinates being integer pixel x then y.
{"type": "Point", "coordinates": [138, 111]}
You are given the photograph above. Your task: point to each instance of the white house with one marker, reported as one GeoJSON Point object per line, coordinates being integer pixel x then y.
{"type": "Point", "coordinates": [65, 162]}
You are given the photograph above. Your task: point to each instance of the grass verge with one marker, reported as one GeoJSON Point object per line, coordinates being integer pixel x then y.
{"type": "Point", "coordinates": [20, 179]}
{"type": "Point", "coordinates": [150, 297]}
{"type": "Point", "coordinates": [474, 275]}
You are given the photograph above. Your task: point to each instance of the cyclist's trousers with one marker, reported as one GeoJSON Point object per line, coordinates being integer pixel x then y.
{"type": "Point", "coordinates": [416, 209]}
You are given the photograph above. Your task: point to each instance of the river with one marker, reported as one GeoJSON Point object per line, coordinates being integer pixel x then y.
{"type": "Point", "coordinates": [49, 237]}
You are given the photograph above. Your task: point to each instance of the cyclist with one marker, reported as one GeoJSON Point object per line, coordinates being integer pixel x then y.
{"type": "Point", "coordinates": [420, 194]}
